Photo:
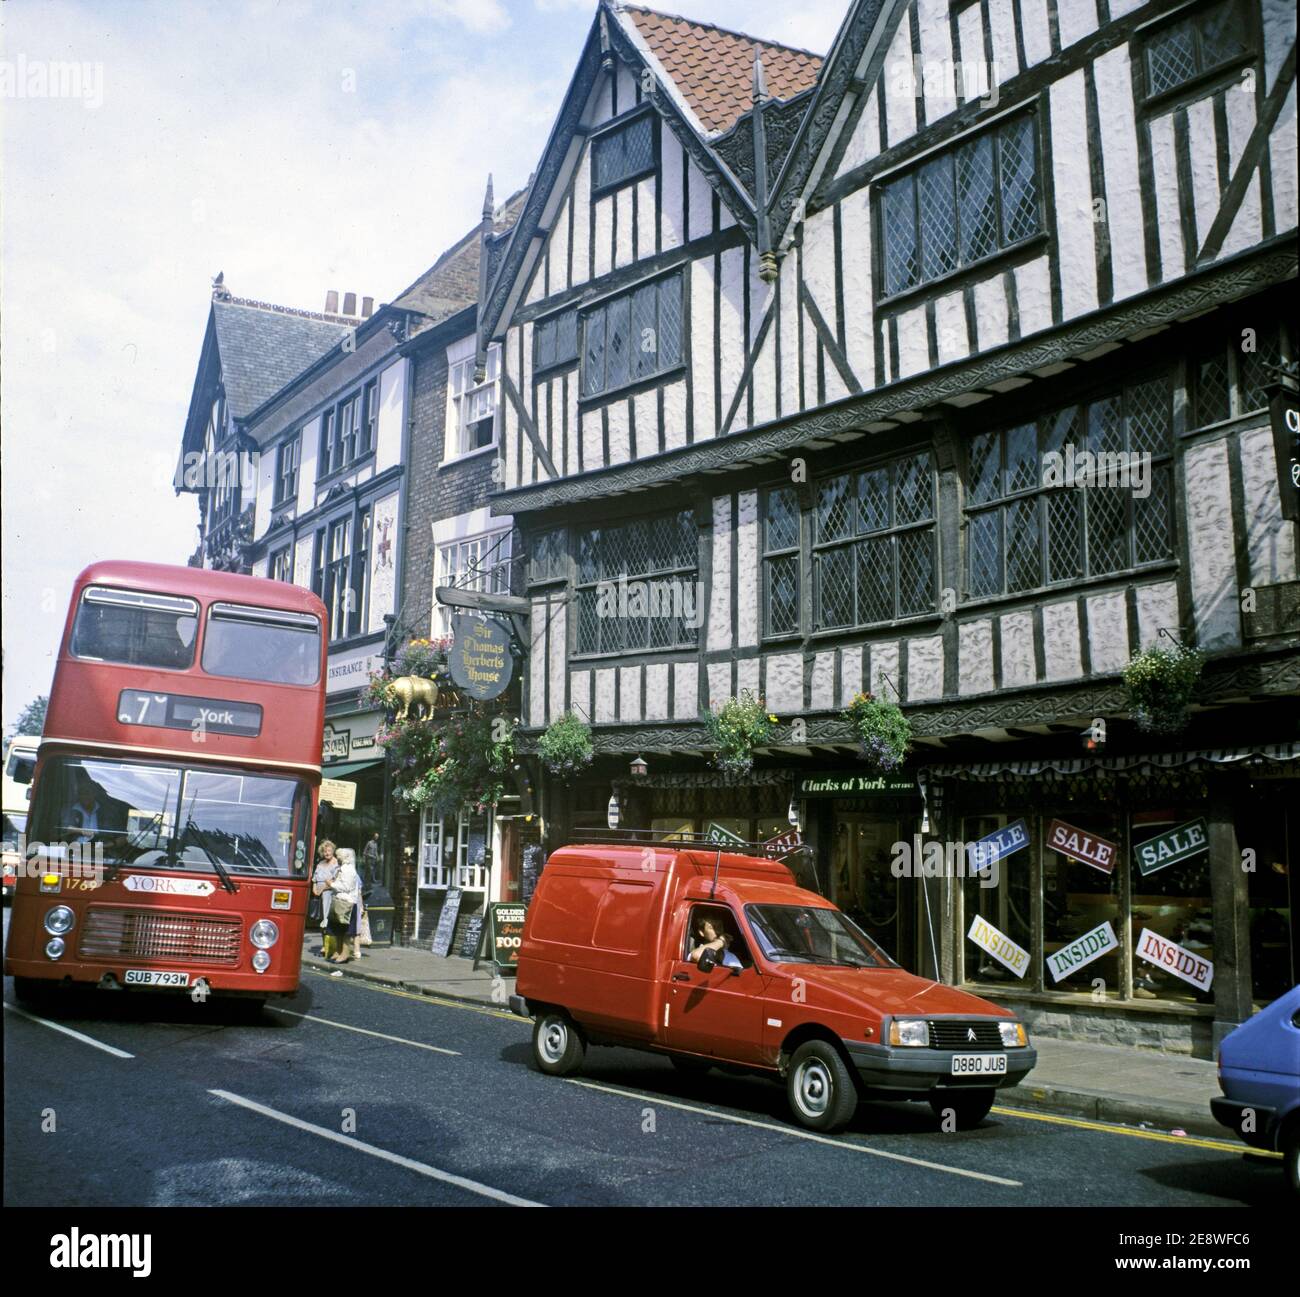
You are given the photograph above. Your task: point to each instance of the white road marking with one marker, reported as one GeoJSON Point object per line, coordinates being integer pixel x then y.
{"type": "Point", "coordinates": [799, 1134]}
{"type": "Point", "coordinates": [364, 1031]}
{"type": "Point", "coordinates": [421, 1168]}
{"type": "Point", "coordinates": [67, 1031]}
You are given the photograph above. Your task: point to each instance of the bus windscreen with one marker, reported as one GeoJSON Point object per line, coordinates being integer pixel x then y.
{"type": "Point", "coordinates": [262, 644]}
{"type": "Point", "coordinates": [135, 629]}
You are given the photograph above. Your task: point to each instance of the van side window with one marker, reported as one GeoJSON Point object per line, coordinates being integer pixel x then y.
{"type": "Point", "coordinates": [723, 924]}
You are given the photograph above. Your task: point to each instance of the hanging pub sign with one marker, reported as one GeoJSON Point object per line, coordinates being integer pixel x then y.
{"type": "Point", "coordinates": [1172, 848]}
{"type": "Point", "coordinates": [723, 837]}
{"type": "Point", "coordinates": [479, 657]}
{"type": "Point", "coordinates": [1170, 956]}
{"type": "Point", "coordinates": [1001, 842]}
{"type": "Point", "coordinates": [999, 945]}
{"type": "Point", "coordinates": [1284, 413]}
{"type": "Point", "coordinates": [1082, 950]}
{"type": "Point", "coordinates": [1081, 845]}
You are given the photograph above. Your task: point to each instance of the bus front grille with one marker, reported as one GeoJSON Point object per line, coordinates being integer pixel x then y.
{"type": "Point", "coordinates": [153, 934]}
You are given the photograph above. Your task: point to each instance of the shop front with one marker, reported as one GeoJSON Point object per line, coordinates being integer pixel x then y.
{"type": "Point", "coordinates": [351, 756]}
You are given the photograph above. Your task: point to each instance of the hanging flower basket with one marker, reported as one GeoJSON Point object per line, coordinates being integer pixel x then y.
{"type": "Point", "coordinates": [738, 727]}
{"type": "Point", "coordinates": [565, 746]}
{"type": "Point", "coordinates": [884, 734]}
{"type": "Point", "coordinates": [1161, 684]}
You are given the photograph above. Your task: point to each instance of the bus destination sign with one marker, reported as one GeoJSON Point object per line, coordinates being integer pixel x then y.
{"type": "Point", "coordinates": [181, 712]}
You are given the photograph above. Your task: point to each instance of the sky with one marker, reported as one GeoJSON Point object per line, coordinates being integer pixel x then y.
{"type": "Point", "coordinates": [296, 147]}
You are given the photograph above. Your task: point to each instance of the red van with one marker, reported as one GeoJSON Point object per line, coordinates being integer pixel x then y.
{"type": "Point", "coordinates": [720, 959]}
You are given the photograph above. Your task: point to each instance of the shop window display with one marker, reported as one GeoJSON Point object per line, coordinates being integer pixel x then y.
{"type": "Point", "coordinates": [1078, 897]}
{"type": "Point", "coordinates": [1007, 906]}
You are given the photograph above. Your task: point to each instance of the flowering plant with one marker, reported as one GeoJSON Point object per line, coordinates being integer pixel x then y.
{"type": "Point", "coordinates": [565, 746]}
{"type": "Point", "coordinates": [461, 761]}
{"type": "Point", "coordinates": [738, 727]}
{"type": "Point", "coordinates": [1161, 683]}
{"type": "Point", "coordinates": [884, 733]}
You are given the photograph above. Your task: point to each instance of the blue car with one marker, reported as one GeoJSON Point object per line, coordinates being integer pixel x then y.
{"type": "Point", "coordinates": [1259, 1073]}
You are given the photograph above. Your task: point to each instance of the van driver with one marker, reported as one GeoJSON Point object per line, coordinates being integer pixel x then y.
{"type": "Point", "coordinates": [710, 932]}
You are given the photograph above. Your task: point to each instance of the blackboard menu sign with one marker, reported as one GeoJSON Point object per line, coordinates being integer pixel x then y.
{"type": "Point", "coordinates": [447, 922]}
{"type": "Point", "coordinates": [473, 933]}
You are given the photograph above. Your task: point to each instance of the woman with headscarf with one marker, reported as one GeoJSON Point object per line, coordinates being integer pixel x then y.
{"type": "Point", "coordinates": [326, 868]}
{"type": "Point", "coordinates": [344, 911]}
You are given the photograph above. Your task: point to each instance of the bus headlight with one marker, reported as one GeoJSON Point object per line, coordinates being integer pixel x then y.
{"type": "Point", "coordinates": [264, 934]}
{"type": "Point", "coordinates": [59, 920]}
{"type": "Point", "coordinates": [1013, 1034]}
{"type": "Point", "coordinates": [261, 961]}
{"type": "Point", "coordinates": [904, 1032]}
{"type": "Point", "coordinates": [55, 947]}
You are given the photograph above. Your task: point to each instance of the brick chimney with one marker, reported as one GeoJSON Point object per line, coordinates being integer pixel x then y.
{"type": "Point", "coordinates": [332, 302]}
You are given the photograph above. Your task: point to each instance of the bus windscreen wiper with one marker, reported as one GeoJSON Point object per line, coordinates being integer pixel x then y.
{"type": "Point", "coordinates": [201, 837]}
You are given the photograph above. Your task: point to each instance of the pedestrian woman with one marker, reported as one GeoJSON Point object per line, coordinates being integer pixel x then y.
{"type": "Point", "coordinates": [326, 868]}
{"type": "Point", "coordinates": [344, 911]}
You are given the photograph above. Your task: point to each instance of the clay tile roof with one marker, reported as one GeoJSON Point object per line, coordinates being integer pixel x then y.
{"type": "Point", "coordinates": [713, 68]}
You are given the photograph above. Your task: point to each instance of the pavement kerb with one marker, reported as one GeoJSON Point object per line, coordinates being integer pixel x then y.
{"type": "Point", "coordinates": [1089, 1105]}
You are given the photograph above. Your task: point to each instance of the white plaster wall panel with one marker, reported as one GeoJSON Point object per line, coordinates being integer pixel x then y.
{"type": "Point", "coordinates": [537, 665]}
{"type": "Point", "coordinates": [672, 232]}
{"type": "Point", "coordinates": [526, 394]}
{"type": "Point", "coordinates": [593, 444]}
{"type": "Point", "coordinates": [645, 411]}
{"type": "Point", "coordinates": [1118, 8]}
{"type": "Point", "coordinates": [259, 566]}
{"type": "Point", "coordinates": [1278, 19]}
{"type": "Point", "coordinates": [1164, 172]}
{"type": "Point", "coordinates": [574, 438]}
{"type": "Point", "coordinates": [302, 562]}
{"type": "Point", "coordinates": [1114, 80]}
{"type": "Point", "coordinates": [913, 343]}
{"type": "Point", "coordinates": [686, 691]}
{"type": "Point", "coordinates": [732, 333]}
{"type": "Point", "coordinates": [1108, 648]}
{"type": "Point", "coordinates": [656, 691]}
{"type": "Point", "coordinates": [1002, 29]}
{"type": "Point", "coordinates": [265, 490]}
{"type": "Point", "coordinates": [645, 218]}
{"type": "Point", "coordinates": [900, 87]}
{"type": "Point", "coordinates": [992, 319]}
{"type": "Point", "coordinates": [822, 684]}
{"type": "Point", "coordinates": [719, 675]}
{"type": "Point", "coordinates": [510, 435]}
{"type": "Point", "coordinates": [789, 334]}
{"type": "Point", "coordinates": [1211, 562]}
{"type": "Point", "coordinates": [1036, 31]}
{"type": "Point", "coordinates": [819, 265]}
{"type": "Point", "coordinates": [725, 218]}
{"type": "Point", "coordinates": [623, 225]}
{"type": "Point", "coordinates": [307, 465]}
{"type": "Point", "coordinates": [704, 392]}
{"type": "Point", "coordinates": [1062, 656]}
{"type": "Point", "coordinates": [925, 668]}
{"type": "Point", "coordinates": [835, 387]}
{"type": "Point", "coordinates": [973, 77]}
{"type": "Point", "coordinates": [580, 693]}
{"type": "Point", "coordinates": [1016, 637]}
{"type": "Point", "coordinates": [763, 380]}
{"type": "Point", "coordinates": [1034, 296]}
{"type": "Point", "coordinates": [581, 225]}
{"type": "Point", "coordinates": [1075, 20]}
{"type": "Point", "coordinates": [383, 561]}
{"type": "Point", "coordinates": [747, 676]}
{"type": "Point", "coordinates": [761, 297]}
{"type": "Point", "coordinates": [626, 97]}
{"type": "Point", "coordinates": [1157, 609]}
{"type": "Point", "coordinates": [603, 236]}
{"type": "Point", "coordinates": [629, 694]}
{"type": "Point", "coordinates": [747, 569]}
{"type": "Point", "coordinates": [699, 197]}
{"type": "Point", "coordinates": [559, 654]}
{"type": "Point", "coordinates": [1270, 539]}
{"type": "Point", "coordinates": [674, 419]}
{"type": "Point", "coordinates": [810, 349]}
{"type": "Point", "coordinates": [720, 590]}
{"type": "Point", "coordinates": [784, 688]}
{"type": "Point", "coordinates": [850, 673]}
{"type": "Point", "coordinates": [1282, 159]}
{"type": "Point", "coordinates": [1205, 167]}
{"type": "Point", "coordinates": [1247, 225]}
{"type": "Point", "coordinates": [864, 143]}
{"type": "Point", "coordinates": [535, 291]}
{"type": "Point", "coordinates": [950, 328]}
{"type": "Point", "coordinates": [975, 656]}
{"type": "Point", "coordinates": [937, 55]}
{"type": "Point", "coordinates": [882, 672]}
{"type": "Point", "coordinates": [559, 248]}
{"type": "Point", "coordinates": [605, 689]}
{"type": "Point", "coordinates": [391, 423]}
{"type": "Point", "coordinates": [1075, 227]}
{"type": "Point", "coordinates": [619, 439]}
{"type": "Point", "coordinates": [855, 234]}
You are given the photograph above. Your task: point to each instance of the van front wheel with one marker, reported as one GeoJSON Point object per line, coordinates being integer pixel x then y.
{"type": "Point", "coordinates": [820, 1087]}
{"type": "Point", "coordinates": [557, 1046]}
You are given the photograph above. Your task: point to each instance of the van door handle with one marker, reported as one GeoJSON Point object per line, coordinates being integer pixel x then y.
{"type": "Point", "coordinates": [681, 977]}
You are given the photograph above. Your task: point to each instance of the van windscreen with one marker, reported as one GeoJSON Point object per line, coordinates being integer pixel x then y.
{"type": "Point", "coordinates": [813, 934]}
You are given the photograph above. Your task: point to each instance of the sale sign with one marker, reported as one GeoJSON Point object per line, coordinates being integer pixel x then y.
{"type": "Point", "coordinates": [1172, 848]}
{"type": "Point", "coordinates": [1170, 956]}
{"type": "Point", "coordinates": [1082, 950]}
{"type": "Point", "coordinates": [999, 945]}
{"type": "Point", "coordinates": [1081, 845]}
{"type": "Point", "coordinates": [1001, 842]}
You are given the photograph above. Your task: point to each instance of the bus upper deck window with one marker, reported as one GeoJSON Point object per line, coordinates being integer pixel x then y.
{"type": "Point", "coordinates": [262, 644]}
{"type": "Point", "coordinates": [134, 628]}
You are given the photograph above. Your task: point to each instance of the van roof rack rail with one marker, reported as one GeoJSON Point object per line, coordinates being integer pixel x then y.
{"type": "Point", "coordinates": [676, 838]}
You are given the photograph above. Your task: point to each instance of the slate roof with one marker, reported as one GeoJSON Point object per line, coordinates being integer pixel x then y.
{"type": "Point", "coordinates": [713, 68]}
{"type": "Point", "coordinates": [264, 347]}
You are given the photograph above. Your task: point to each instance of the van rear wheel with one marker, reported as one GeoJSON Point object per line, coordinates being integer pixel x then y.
{"type": "Point", "coordinates": [820, 1087]}
{"type": "Point", "coordinates": [969, 1107]}
{"type": "Point", "coordinates": [557, 1047]}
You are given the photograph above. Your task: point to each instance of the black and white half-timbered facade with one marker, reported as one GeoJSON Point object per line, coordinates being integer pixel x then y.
{"type": "Point", "coordinates": [805, 364]}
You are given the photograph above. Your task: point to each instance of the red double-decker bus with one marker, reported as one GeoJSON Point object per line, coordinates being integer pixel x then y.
{"type": "Point", "coordinates": [169, 840]}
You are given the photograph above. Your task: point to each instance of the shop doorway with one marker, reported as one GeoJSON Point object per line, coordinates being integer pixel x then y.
{"type": "Point", "coordinates": [863, 885]}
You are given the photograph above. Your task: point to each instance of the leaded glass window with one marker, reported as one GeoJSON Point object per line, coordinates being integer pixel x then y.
{"type": "Point", "coordinates": [555, 340]}
{"type": "Point", "coordinates": [781, 561]}
{"type": "Point", "coordinates": [1228, 379]}
{"type": "Point", "coordinates": [1201, 42]}
{"type": "Point", "coordinates": [637, 585]}
{"type": "Point", "coordinates": [547, 554]}
{"type": "Point", "coordinates": [1072, 494]}
{"type": "Point", "coordinates": [624, 153]}
{"type": "Point", "coordinates": [874, 544]}
{"type": "Point", "coordinates": [633, 336]}
{"type": "Point", "coordinates": [962, 206]}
